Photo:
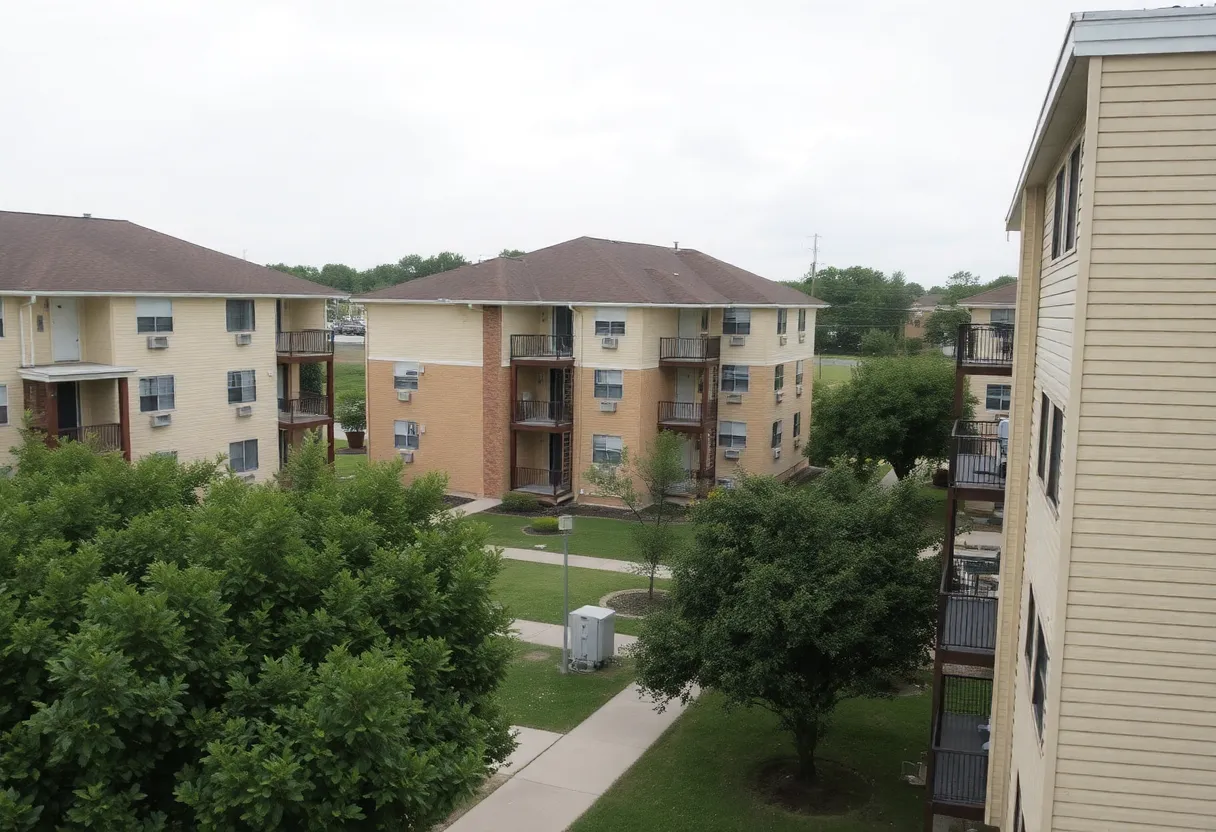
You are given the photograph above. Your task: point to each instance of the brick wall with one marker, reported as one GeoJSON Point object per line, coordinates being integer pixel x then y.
{"type": "Point", "coordinates": [495, 405]}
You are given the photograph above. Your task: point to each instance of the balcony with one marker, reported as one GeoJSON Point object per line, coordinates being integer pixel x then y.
{"type": "Point", "coordinates": [967, 606]}
{"type": "Point", "coordinates": [692, 416]}
{"type": "Point", "coordinates": [552, 485]}
{"type": "Point", "coordinates": [682, 352]}
{"type": "Point", "coordinates": [105, 438]}
{"type": "Point", "coordinates": [305, 345]}
{"type": "Point", "coordinates": [977, 459]}
{"type": "Point", "coordinates": [959, 756]}
{"type": "Point", "coordinates": [535, 415]}
{"type": "Point", "coordinates": [985, 349]}
{"type": "Point", "coordinates": [696, 484]}
{"type": "Point", "coordinates": [304, 411]}
{"type": "Point", "coordinates": [542, 349]}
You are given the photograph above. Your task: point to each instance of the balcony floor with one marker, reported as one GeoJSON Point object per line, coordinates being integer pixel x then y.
{"type": "Point", "coordinates": [970, 624]}
{"type": "Point", "coordinates": [541, 423]}
{"type": "Point", "coordinates": [961, 778]}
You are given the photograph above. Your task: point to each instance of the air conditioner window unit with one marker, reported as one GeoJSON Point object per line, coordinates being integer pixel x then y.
{"type": "Point", "coordinates": [244, 339]}
{"type": "Point", "coordinates": [734, 398]}
{"type": "Point", "coordinates": [160, 420]}
{"type": "Point", "coordinates": [158, 342]}
{"type": "Point", "coordinates": [592, 636]}
{"type": "Point", "coordinates": [801, 337]}
{"type": "Point", "coordinates": [798, 390]}
{"type": "Point", "coordinates": [609, 343]}
{"type": "Point", "coordinates": [250, 477]}
{"type": "Point", "coordinates": [244, 410]}
{"type": "Point", "coordinates": [404, 395]}
{"type": "Point", "coordinates": [738, 340]}
{"type": "Point", "coordinates": [784, 339]}
{"type": "Point", "coordinates": [607, 407]}
{"type": "Point", "coordinates": [797, 443]}
{"type": "Point", "coordinates": [780, 395]}
{"type": "Point", "coordinates": [732, 453]}
{"type": "Point", "coordinates": [407, 456]}
{"type": "Point", "coordinates": [776, 453]}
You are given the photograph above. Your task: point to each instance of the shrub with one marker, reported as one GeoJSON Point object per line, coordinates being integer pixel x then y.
{"type": "Point", "coordinates": [544, 525]}
{"type": "Point", "coordinates": [516, 501]}
{"type": "Point", "coordinates": [877, 342]}
{"type": "Point", "coordinates": [941, 478]}
{"type": "Point", "coordinates": [312, 380]}
{"type": "Point", "coordinates": [913, 346]}
{"type": "Point", "coordinates": [183, 650]}
{"type": "Point", "coordinates": [351, 412]}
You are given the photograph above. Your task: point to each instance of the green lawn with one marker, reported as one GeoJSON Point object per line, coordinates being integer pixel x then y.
{"type": "Point", "coordinates": [347, 464]}
{"type": "Point", "coordinates": [595, 536]}
{"type": "Point", "coordinates": [348, 378]}
{"type": "Point", "coordinates": [832, 374]}
{"type": "Point", "coordinates": [533, 591]}
{"type": "Point", "coordinates": [536, 694]}
{"type": "Point", "coordinates": [696, 777]}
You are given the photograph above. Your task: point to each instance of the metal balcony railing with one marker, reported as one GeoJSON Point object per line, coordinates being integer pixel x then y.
{"type": "Point", "coordinates": [543, 413]}
{"type": "Point", "coordinates": [984, 345]}
{"type": "Point", "coordinates": [961, 733]}
{"type": "Point", "coordinates": [550, 483]}
{"type": "Point", "coordinates": [554, 347]}
{"type": "Point", "coordinates": [687, 413]}
{"type": "Point", "coordinates": [977, 455]}
{"type": "Point", "coordinates": [690, 350]}
{"type": "Point", "coordinates": [303, 409]}
{"type": "Point", "coordinates": [967, 605]}
{"type": "Point", "coordinates": [305, 342]}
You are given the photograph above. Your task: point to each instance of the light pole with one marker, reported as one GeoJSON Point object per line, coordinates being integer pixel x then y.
{"type": "Point", "coordinates": [565, 524]}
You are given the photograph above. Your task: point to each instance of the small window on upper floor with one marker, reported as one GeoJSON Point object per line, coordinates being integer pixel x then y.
{"type": "Point", "coordinates": [1066, 202]}
{"type": "Point", "coordinates": [736, 321]}
{"type": "Point", "coordinates": [3, 404]}
{"type": "Point", "coordinates": [1002, 316]}
{"type": "Point", "coordinates": [405, 375]}
{"type": "Point", "coordinates": [153, 315]}
{"type": "Point", "coordinates": [1057, 448]}
{"type": "Point", "coordinates": [996, 397]}
{"type": "Point", "coordinates": [405, 435]}
{"type": "Point", "coordinates": [1, 317]}
{"type": "Point", "coordinates": [240, 315]}
{"type": "Point", "coordinates": [798, 372]}
{"type": "Point", "coordinates": [735, 378]}
{"type": "Point", "coordinates": [1044, 431]}
{"type": "Point", "coordinates": [779, 377]}
{"type": "Point", "coordinates": [777, 429]}
{"type": "Point", "coordinates": [242, 386]}
{"type": "Point", "coordinates": [802, 320]}
{"type": "Point", "coordinates": [610, 320]}
{"type": "Point", "coordinates": [243, 456]}
{"type": "Point", "coordinates": [797, 425]}
{"type": "Point", "coordinates": [609, 384]}
{"type": "Point", "coordinates": [782, 321]}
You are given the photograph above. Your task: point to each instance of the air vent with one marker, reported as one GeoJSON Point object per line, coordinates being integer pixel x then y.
{"type": "Point", "coordinates": [244, 411]}
{"type": "Point", "coordinates": [609, 343]}
{"type": "Point", "coordinates": [158, 342]}
{"type": "Point", "coordinates": [161, 420]}
{"type": "Point", "coordinates": [405, 395]}
{"type": "Point", "coordinates": [244, 339]}
{"type": "Point", "coordinates": [738, 340]}
{"type": "Point", "coordinates": [607, 407]}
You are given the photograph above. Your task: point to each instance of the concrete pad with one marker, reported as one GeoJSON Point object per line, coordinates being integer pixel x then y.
{"type": "Point", "coordinates": [521, 805]}
{"type": "Point", "coordinates": [581, 764]}
{"type": "Point", "coordinates": [550, 635]}
{"type": "Point", "coordinates": [631, 720]}
{"type": "Point", "coordinates": [532, 742]}
{"type": "Point", "coordinates": [579, 561]}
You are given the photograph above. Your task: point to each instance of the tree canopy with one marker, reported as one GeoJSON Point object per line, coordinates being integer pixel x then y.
{"type": "Point", "coordinates": [183, 650]}
{"type": "Point", "coordinates": [793, 599]}
{"type": "Point", "coordinates": [894, 409]}
{"type": "Point", "coordinates": [410, 267]}
{"type": "Point", "coordinates": [941, 325]}
{"type": "Point", "coordinates": [862, 299]}
{"type": "Point", "coordinates": [962, 285]}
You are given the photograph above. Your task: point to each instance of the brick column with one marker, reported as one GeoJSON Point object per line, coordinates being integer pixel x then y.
{"type": "Point", "coordinates": [495, 422]}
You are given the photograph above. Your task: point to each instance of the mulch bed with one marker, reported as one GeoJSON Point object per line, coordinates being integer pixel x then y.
{"type": "Point", "coordinates": [451, 501]}
{"type": "Point", "coordinates": [636, 603]}
{"type": "Point", "coordinates": [350, 451]}
{"type": "Point", "coordinates": [835, 790]}
{"type": "Point", "coordinates": [528, 530]}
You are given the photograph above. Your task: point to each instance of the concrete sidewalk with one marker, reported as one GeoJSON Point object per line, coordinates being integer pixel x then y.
{"type": "Point", "coordinates": [551, 792]}
{"type": "Point", "coordinates": [550, 635]}
{"type": "Point", "coordinates": [477, 506]}
{"type": "Point", "coordinates": [581, 561]}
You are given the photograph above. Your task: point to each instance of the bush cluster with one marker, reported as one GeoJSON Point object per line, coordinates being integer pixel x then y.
{"type": "Point", "coordinates": [544, 525]}
{"type": "Point", "coordinates": [519, 502]}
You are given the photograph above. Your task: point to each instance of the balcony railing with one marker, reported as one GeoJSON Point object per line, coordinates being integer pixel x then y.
{"type": "Point", "coordinates": [105, 437]}
{"type": "Point", "coordinates": [690, 350]}
{"type": "Point", "coordinates": [543, 481]}
{"type": "Point", "coordinates": [552, 347]}
{"type": "Point", "coordinates": [543, 413]}
{"type": "Point", "coordinates": [984, 345]}
{"type": "Point", "coordinates": [977, 455]}
{"type": "Point", "coordinates": [303, 409]}
{"type": "Point", "coordinates": [695, 484]}
{"type": "Point", "coordinates": [687, 414]}
{"type": "Point", "coordinates": [961, 731]}
{"type": "Point", "coordinates": [305, 342]}
{"type": "Point", "coordinates": [968, 604]}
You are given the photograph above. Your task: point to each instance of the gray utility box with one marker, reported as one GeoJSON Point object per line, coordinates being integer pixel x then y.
{"type": "Point", "coordinates": [592, 636]}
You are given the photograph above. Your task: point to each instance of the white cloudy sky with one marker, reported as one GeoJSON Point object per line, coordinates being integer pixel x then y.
{"type": "Point", "coordinates": [357, 132]}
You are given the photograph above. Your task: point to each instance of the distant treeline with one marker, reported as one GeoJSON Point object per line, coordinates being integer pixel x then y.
{"type": "Point", "coordinates": [410, 267]}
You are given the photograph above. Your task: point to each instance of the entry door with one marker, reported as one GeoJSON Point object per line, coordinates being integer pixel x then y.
{"type": "Point", "coordinates": [563, 321]}
{"type": "Point", "coordinates": [68, 407]}
{"type": "Point", "coordinates": [690, 323]}
{"type": "Point", "coordinates": [555, 454]}
{"type": "Point", "coordinates": [686, 385]}
{"type": "Point", "coordinates": [281, 384]}
{"type": "Point", "coordinates": [65, 330]}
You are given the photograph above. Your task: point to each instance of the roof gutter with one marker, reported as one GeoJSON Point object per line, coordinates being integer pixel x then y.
{"type": "Point", "coordinates": [90, 294]}
{"type": "Point", "coordinates": [573, 303]}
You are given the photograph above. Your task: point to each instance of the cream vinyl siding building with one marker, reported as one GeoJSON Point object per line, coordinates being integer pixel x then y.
{"type": "Point", "coordinates": [1120, 555]}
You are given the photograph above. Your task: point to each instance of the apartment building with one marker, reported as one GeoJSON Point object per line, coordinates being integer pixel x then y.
{"type": "Point", "coordinates": [992, 392]}
{"type": "Point", "coordinates": [918, 313]}
{"type": "Point", "coordinates": [521, 373]}
{"type": "Point", "coordinates": [1104, 667]}
{"type": "Point", "coordinates": [144, 343]}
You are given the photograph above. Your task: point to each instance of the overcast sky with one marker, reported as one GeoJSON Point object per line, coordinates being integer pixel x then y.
{"type": "Point", "coordinates": [314, 132]}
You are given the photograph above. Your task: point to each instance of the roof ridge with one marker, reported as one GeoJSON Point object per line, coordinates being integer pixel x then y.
{"type": "Point", "coordinates": [81, 217]}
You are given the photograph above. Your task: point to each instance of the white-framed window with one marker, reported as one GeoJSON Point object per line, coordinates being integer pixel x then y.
{"type": "Point", "coordinates": [797, 425]}
{"type": "Point", "coordinates": [240, 315]}
{"type": "Point", "coordinates": [610, 320]}
{"type": "Point", "coordinates": [1038, 691]}
{"type": "Point", "coordinates": [2, 301]}
{"type": "Point", "coordinates": [405, 375]}
{"type": "Point", "coordinates": [736, 321]}
{"type": "Point", "coordinates": [242, 387]}
{"type": "Point", "coordinates": [735, 378]}
{"type": "Point", "coordinates": [606, 450]}
{"type": "Point", "coordinates": [1003, 316]}
{"type": "Point", "coordinates": [802, 320]}
{"type": "Point", "coordinates": [156, 393]}
{"type": "Point", "coordinates": [779, 377]}
{"type": "Point", "coordinates": [798, 372]}
{"type": "Point", "coordinates": [153, 315]}
{"type": "Point", "coordinates": [732, 434]}
{"type": "Point", "coordinates": [1064, 213]}
{"type": "Point", "coordinates": [3, 404]}
{"type": "Point", "coordinates": [405, 435]}
{"type": "Point", "coordinates": [778, 427]}
{"type": "Point", "coordinates": [609, 384]}
{"type": "Point", "coordinates": [997, 397]}
{"type": "Point", "coordinates": [782, 321]}
{"type": "Point", "coordinates": [243, 456]}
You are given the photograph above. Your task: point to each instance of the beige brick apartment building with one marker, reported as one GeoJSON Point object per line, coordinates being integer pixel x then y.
{"type": "Point", "coordinates": [149, 344]}
{"type": "Point", "coordinates": [1103, 711]}
{"type": "Point", "coordinates": [996, 307]}
{"type": "Point", "coordinates": [520, 373]}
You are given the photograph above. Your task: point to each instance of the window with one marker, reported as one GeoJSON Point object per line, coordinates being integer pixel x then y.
{"type": "Point", "coordinates": [153, 315]}
{"type": "Point", "coordinates": [1064, 210]}
{"type": "Point", "coordinates": [778, 376]}
{"type": "Point", "coordinates": [1057, 444]}
{"type": "Point", "coordinates": [405, 435]}
{"type": "Point", "coordinates": [777, 428]}
{"type": "Point", "coordinates": [242, 387]}
{"type": "Point", "coordinates": [155, 393]}
{"type": "Point", "coordinates": [1044, 427]}
{"type": "Point", "coordinates": [1031, 623]}
{"type": "Point", "coordinates": [732, 434]}
{"type": "Point", "coordinates": [609, 384]}
{"type": "Point", "coordinates": [606, 450]}
{"type": "Point", "coordinates": [3, 404]}
{"type": "Point", "coordinates": [405, 375]}
{"type": "Point", "coordinates": [726, 482]}
{"type": "Point", "coordinates": [1074, 187]}
{"type": "Point", "coordinates": [705, 320]}
{"type": "Point", "coordinates": [240, 315]}
{"type": "Point", "coordinates": [243, 456]}
{"type": "Point", "coordinates": [797, 425]}
{"type": "Point", "coordinates": [610, 321]}
{"type": "Point", "coordinates": [734, 378]}
{"type": "Point", "coordinates": [1057, 217]}
{"type": "Point", "coordinates": [782, 321]}
{"type": "Point", "coordinates": [802, 320]}
{"type": "Point", "coordinates": [997, 397]}
{"type": "Point", "coordinates": [1002, 316]}
{"type": "Point", "coordinates": [1, 317]}
{"type": "Point", "coordinates": [798, 372]}
{"type": "Point", "coordinates": [1038, 692]}
{"type": "Point", "coordinates": [736, 321]}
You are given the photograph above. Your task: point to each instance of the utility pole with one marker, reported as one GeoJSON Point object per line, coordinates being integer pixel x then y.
{"type": "Point", "coordinates": [814, 260]}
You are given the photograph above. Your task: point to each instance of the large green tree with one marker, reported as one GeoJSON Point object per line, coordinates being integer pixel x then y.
{"type": "Point", "coordinates": [182, 650]}
{"type": "Point", "coordinates": [793, 599]}
{"type": "Point", "coordinates": [941, 326]}
{"type": "Point", "coordinates": [894, 409]}
{"type": "Point", "coordinates": [348, 279]}
{"type": "Point", "coordinates": [861, 299]}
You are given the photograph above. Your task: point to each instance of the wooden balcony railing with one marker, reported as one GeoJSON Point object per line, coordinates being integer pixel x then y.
{"type": "Point", "coordinates": [984, 345]}
{"type": "Point", "coordinates": [543, 413]}
{"type": "Point", "coordinates": [687, 414]}
{"type": "Point", "coordinates": [105, 437]}
{"type": "Point", "coordinates": [304, 409]}
{"type": "Point", "coordinates": [550, 483]}
{"type": "Point", "coordinates": [690, 350]}
{"type": "Point", "coordinates": [977, 455]}
{"type": "Point", "coordinates": [551, 347]}
{"type": "Point", "coordinates": [305, 342]}
{"type": "Point", "coordinates": [961, 730]}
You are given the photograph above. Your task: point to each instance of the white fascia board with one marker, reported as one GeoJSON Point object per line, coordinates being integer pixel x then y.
{"type": "Point", "coordinates": [588, 303]}
{"type": "Point", "coordinates": [77, 294]}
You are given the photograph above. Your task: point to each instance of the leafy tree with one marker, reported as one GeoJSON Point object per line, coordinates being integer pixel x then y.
{"type": "Point", "coordinates": [894, 409]}
{"type": "Point", "coordinates": [658, 472]}
{"type": "Point", "coordinates": [877, 342]}
{"type": "Point", "coordinates": [512, 252]}
{"type": "Point", "coordinates": [182, 650]}
{"type": "Point", "coordinates": [348, 279]}
{"type": "Point", "coordinates": [941, 325]}
{"type": "Point", "coordinates": [794, 599]}
{"type": "Point", "coordinates": [861, 299]}
{"type": "Point", "coordinates": [312, 379]}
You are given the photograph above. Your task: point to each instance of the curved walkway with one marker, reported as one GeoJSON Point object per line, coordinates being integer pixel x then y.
{"type": "Point", "coordinates": [581, 561]}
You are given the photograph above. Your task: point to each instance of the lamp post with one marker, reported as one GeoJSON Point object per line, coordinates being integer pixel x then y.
{"type": "Point", "coordinates": [565, 524]}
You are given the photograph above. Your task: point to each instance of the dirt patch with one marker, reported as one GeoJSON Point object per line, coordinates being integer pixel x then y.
{"type": "Point", "coordinates": [634, 603]}
{"type": "Point", "coordinates": [535, 656]}
{"type": "Point", "coordinates": [835, 790]}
